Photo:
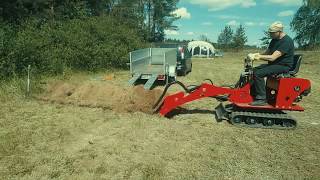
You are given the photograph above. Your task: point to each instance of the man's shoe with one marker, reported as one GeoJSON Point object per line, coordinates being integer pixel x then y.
{"type": "Point", "coordinates": [259, 102]}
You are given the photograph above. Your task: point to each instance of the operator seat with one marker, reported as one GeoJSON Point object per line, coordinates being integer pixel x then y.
{"type": "Point", "coordinates": [273, 81]}
{"type": "Point", "coordinates": [295, 68]}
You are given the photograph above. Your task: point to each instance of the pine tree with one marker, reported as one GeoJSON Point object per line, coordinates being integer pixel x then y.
{"type": "Point", "coordinates": [265, 40]}
{"type": "Point", "coordinates": [162, 18]}
{"type": "Point", "coordinates": [225, 37]}
{"type": "Point", "coordinates": [239, 38]}
{"type": "Point", "coordinates": [312, 3]}
{"type": "Point", "coordinates": [306, 24]}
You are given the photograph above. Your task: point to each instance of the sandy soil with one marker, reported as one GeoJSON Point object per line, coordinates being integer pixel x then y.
{"type": "Point", "coordinates": [103, 95]}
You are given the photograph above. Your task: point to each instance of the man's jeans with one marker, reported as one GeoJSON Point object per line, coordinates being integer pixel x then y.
{"type": "Point", "coordinates": [262, 71]}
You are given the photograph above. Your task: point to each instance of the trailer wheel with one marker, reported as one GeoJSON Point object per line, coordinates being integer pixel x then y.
{"type": "Point", "coordinates": [172, 79]}
{"type": "Point", "coordinates": [184, 73]}
{"type": "Point", "coordinates": [190, 68]}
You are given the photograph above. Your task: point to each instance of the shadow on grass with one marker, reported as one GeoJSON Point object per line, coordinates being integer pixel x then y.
{"type": "Point", "coordinates": [180, 111]}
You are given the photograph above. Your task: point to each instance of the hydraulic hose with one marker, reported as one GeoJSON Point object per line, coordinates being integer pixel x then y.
{"type": "Point", "coordinates": [187, 89]}
{"type": "Point", "coordinates": [166, 89]}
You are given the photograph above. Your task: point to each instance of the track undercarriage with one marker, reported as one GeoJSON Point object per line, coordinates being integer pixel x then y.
{"type": "Point", "coordinates": [253, 118]}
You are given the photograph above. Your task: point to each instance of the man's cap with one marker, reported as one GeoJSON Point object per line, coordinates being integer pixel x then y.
{"type": "Point", "coordinates": [276, 27]}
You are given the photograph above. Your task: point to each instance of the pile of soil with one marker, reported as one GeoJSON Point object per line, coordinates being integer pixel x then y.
{"type": "Point", "coordinates": [102, 95]}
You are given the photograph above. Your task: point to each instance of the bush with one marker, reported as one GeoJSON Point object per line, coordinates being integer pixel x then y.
{"type": "Point", "coordinates": [7, 65]}
{"type": "Point", "coordinates": [80, 44]}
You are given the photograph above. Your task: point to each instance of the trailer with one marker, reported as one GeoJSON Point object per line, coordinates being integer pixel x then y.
{"type": "Point", "coordinates": [152, 65]}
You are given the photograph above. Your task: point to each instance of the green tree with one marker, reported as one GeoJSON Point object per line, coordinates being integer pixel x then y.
{"type": "Point", "coordinates": [15, 11]}
{"type": "Point", "coordinates": [239, 38]}
{"type": "Point", "coordinates": [99, 7]}
{"type": "Point", "coordinates": [225, 37]}
{"type": "Point", "coordinates": [161, 18]}
{"type": "Point", "coordinates": [313, 3]}
{"type": "Point", "coordinates": [265, 40]}
{"type": "Point", "coordinates": [306, 24]}
{"type": "Point", "coordinates": [152, 17]}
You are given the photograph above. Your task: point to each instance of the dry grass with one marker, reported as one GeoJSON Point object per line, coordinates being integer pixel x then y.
{"type": "Point", "coordinates": [50, 141]}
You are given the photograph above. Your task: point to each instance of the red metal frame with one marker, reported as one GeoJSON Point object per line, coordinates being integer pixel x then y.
{"type": "Point", "coordinates": [171, 102]}
{"type": "Point", "coordinates": [287, 90]}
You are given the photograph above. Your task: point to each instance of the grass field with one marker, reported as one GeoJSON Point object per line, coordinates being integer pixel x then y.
{"type": "Point", "coordinates": [40, 140]}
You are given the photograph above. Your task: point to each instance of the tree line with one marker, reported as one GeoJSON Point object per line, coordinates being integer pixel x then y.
{"type": "Point", "coordinates": [151, 17]}
{"type": "Point", "coordinates": [305, 23]}
{"type": "Point", "coordinates": [227, 39]}
{"type": "Point", "coordinates": [58, 35]}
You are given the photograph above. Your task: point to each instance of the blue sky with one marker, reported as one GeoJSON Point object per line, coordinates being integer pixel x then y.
{"type": "Point", "coordinates": [209, 17]}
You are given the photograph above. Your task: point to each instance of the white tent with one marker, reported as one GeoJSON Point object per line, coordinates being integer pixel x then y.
{"type": "Point", "coordinates": [205, 48]}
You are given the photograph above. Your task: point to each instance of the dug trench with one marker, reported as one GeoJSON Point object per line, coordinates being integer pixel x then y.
{"type": "Point", "coordinates": [102, 95]}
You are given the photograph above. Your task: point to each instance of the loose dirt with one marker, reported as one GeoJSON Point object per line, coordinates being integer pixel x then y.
{"type": "Point", "coordinates": [102, 95]}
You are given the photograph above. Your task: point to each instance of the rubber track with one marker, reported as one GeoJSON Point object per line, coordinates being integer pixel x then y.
{"type": "Point", "coordinates": [280, 116]}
